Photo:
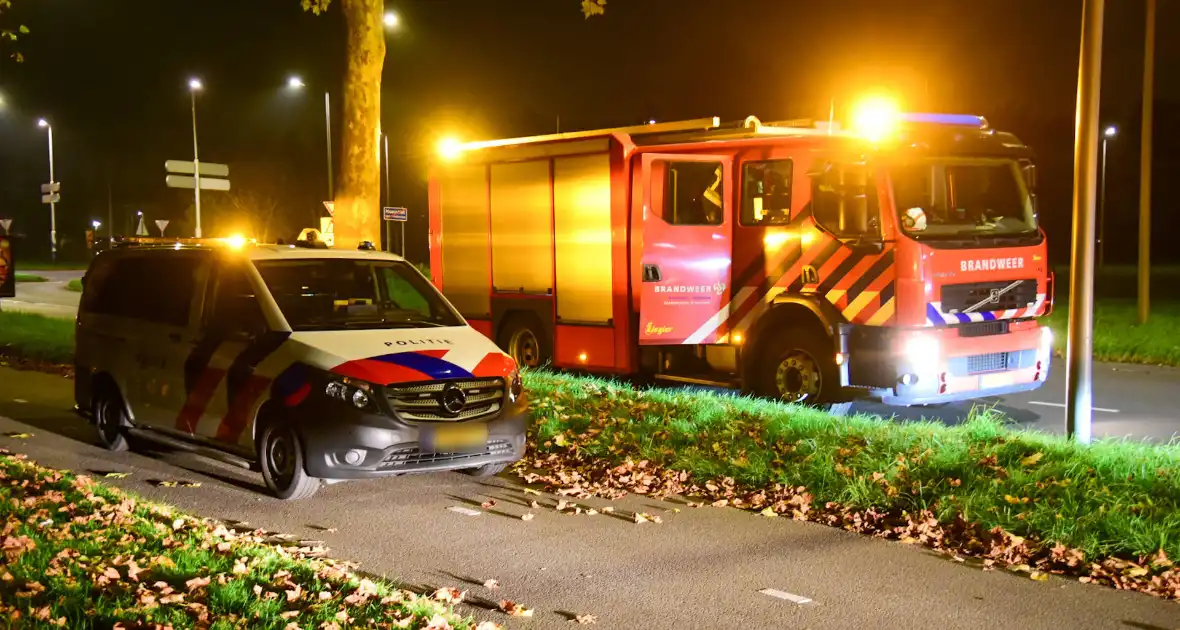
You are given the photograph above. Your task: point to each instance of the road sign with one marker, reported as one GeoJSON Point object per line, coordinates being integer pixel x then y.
{"type": "Point", "coordinates": [50, 198]}
{"type": "Point", "coordinates": [141, 229]}
{"type": "Point", "coordinates": [207, 183]}
{"type": "Point", "coordinates": [51, 187]}
{"type": "Point", "coordinates": [161, 223]}
{"type": "Point", "coordinates": [6, 224]}
{"type": "Point", "coordinates": [328, 231]}
{"type": "Point", "coordinates": [394, 214]}
{"type": "Point", "coordinates": [208, 169]}
{"type": "Point", "coordinates": [330, 206]}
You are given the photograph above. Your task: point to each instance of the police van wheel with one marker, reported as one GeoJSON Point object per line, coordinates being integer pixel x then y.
{"type": "Point", "coordinates": [487, 470]}
{"type": "Point", "coordinates": [280, 455]}
{"type": "Point", "coordinates": [801, 368]}
{"type": "Point", "coordinates": [110, 419]}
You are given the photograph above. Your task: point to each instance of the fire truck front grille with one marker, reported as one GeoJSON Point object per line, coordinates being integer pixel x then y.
{"type": "Point", "coordinates": [957, 298]}
{"type": "Point", "coordinates": [983, 329]}
{"type": "Point", "coordinates": [991, 362]}
{"type": "Point", "coordinates": [425, 402]}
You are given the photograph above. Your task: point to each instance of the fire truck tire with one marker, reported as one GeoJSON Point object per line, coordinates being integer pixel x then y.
{"type": "Point", "coordinates": [524, 339]}
{"type": "Point", "coordinates": [110, 418]}
{"type": "Point", "coordinates": [801, 368]}
{"type": "Point", "coordinates": [280, 455]}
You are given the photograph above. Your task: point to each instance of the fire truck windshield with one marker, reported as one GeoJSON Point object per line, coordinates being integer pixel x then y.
{"type": "Point", "coordinates": [344, 294]}
{"type": "Point", "coordinates": [961, 198]}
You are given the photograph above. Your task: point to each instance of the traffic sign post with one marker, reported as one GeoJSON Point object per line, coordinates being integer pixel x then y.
{"type": "Point", "coordinates": [50, 194]}
{"type": "Point", "coordinates": [197, 176]}
{"type": "Point", "coordinates": [161, 224]}
{"type": "Point", "coordinates": [400, 215]}
{"type": "Point", "coordinates": [7, 225]}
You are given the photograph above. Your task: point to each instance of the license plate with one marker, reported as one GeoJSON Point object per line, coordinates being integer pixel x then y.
{"type": "Point", "coordinates": [452, 438]}
{"type": "Point", "coordinates": [999, 379]}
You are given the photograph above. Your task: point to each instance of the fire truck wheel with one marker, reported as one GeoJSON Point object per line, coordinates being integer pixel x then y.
{"type": "Point", "coordinates": [110, 418]}
{"type": "Point", "coordinates": [524, 340]}
{"type": "Point", "coordinates": [280, 455]}
{"type": "Point", "coordinates": [800, 368]}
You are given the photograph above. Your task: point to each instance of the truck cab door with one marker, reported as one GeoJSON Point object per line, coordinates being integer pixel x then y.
{"type": "Point", "coordinates": [687, 248]}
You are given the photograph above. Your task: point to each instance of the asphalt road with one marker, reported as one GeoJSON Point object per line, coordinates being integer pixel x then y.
{"type": "Point", "coordinates": [1137, 402]}
{"type": "Point", "coordinates": [699, 568]}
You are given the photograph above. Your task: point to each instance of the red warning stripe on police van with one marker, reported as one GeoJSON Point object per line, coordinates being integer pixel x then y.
{"type": "Point", "coordinates": [240, 408]}
{"type": "Point", "coordinates": [198, 399]}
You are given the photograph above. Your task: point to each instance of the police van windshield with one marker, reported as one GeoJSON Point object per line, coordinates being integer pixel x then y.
{"type": "Point", "coordinates": [961, 198]}
{"type": "Point", "coordinates": [344, 294]}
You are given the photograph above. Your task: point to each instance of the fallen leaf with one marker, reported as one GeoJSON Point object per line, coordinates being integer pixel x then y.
{"type": "Point", "coordinates": [491, 584]}
{"type": "Point", "coordinates": [190, 484]}
{"type": "Point", "coordinates": [560, 440]}
{"type": "Point", "coordinates": [585, 619]}
{"type": "Point", "coordinates": [1031, 460]}
{"type": "Point", "coordinates": [196, 583]}
{"type": "Point", "coordinates": [178, 523]}
{"type": "Point", "coordinates": [527, 517]}
{"type": "Point", "coordinates": [531, 491]}
{"type": "Point", "coordinates": [488, 625]}
{"type": "Point", "coordinates": [534, 505]}
{"type": "Point", "coordinates": [116, 475]}
{"type": "Point", "coordinates": [607, 510]}
{"type": "Point", "coordinates": [487, 505]}
{"type": "Point", "coordinates": [514, 609]}
{"type": "Point", "coordinates": [639, 518]}
{"type": "Point", "coordinates": [769, 512]}
{"type": "Point", "coordinates": [18, 436]}
{"type": "Point", "coordinates": [449, 595]}
{"type": "Point", "coordinates": [1039, 576]}
{"type": "Point", "coordinates": [561, 505]}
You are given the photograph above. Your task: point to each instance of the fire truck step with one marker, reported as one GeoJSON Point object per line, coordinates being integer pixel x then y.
{"type": "Point", "coordinates": [688, 380]}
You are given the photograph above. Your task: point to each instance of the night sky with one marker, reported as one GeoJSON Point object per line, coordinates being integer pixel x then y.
{"type": "Point", "coordinates": [112, 75]}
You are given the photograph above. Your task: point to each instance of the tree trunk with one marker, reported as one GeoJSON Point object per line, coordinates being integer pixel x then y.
{"type": "Point", "coordinates": [358, 195]}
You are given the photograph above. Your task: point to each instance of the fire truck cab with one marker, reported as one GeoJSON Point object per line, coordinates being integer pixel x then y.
{"type": "Point", "coordinates": [793, 260]}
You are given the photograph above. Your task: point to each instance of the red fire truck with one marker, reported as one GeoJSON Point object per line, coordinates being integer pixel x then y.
{"type": "Point", "coordinates": [794, 260]}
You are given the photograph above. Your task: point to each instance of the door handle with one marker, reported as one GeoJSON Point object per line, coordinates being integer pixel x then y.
{"type": "Point", "coordinates": [651, 273]}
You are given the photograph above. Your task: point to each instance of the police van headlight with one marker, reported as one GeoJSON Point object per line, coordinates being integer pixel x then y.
{"type": "Point", "coordinates": [515, 386]}
{"type": "Point", "coordinates": [356, 393]}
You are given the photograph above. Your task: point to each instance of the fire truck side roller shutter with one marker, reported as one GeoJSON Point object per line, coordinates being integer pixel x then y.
{"type": "Point", "coordinates": [582, 229]}
{"type": "Point", "coordinates": [463, 196]}
{"type": "Point", "coordinates": [522, 228]}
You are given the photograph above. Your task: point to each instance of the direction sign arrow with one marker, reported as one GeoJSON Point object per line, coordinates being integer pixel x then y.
{"type": "Point", "coordinates": [161, 223]}
{"type": "Point", "coordinates": [207, 183]}
{"type": "Point", "coordinates": [6, 224]}
{"type": "Point", "coordinates": [51, 187]}
{"type": "Point", "coordinates": [51, 198]}
{"type": "Point", "coordinates": [208, 169]}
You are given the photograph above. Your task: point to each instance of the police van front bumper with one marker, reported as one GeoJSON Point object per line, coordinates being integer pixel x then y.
{"type": "Point", "coordinates": [341, 442]}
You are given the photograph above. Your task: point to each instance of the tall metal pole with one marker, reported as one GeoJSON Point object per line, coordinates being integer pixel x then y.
{"type": "Point", "coordinates": [1080, 368]}
{"type": "Point", "coordinates": [388, 193]}
{"type": "Point", "coordinates": [196, 165]}
{"type": "Point", "coordinates": [52, 204]}
{"type": "Point", "coordinates": [328, 128]}
{"type": "Point", "coordinates": [1145, 166]}
{"type": "Point", "coordinates": [1102, 208]}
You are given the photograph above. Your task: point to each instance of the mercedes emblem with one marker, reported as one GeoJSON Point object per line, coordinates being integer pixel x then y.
{"type": "Point", "coordinates": [453, 399]}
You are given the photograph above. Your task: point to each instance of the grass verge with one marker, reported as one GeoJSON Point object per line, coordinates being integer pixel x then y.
{"type": "Point", "coordinates": [36, 338]}
{"type": "Point", "coordinates": [80, 555]}
{"type": "Point", "coordinates": [74, 285]}
{"type": "Point", "coordinates": [1119, 338]}
{"type": "Point", "coordinates": [1109, 512]}
{"type": "Point", "coordinates": [28, 277]}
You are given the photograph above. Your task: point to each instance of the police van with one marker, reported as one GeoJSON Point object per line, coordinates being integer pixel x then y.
{"type": "Point", "coordinates": [309, 365]}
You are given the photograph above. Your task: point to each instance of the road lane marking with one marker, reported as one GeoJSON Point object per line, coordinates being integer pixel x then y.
{"type": "Point", "coordinates": [791, 597]}
{"type": "Point", "coordinates": [1062, 405]}
{"type": "Point", "coordinates": [464, 511]}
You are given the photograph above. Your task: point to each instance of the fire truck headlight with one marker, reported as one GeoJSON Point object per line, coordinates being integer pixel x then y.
{"type": "Point", "coordinates": [1045, 351]}
{"type": "Point", "coordinates": [924, 354]}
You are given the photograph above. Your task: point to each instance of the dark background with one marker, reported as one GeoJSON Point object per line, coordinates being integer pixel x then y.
{"type": "Point", "coordinates": [112, 77]}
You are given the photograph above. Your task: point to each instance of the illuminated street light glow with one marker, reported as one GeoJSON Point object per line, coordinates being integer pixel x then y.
{"type": "Point", "coordinates": [875, 117]}
{"type": "Point", "coordinates": [296, 83]}
{"type": "Point", "coordinates": [195, 85]}
{"type": "Point", "coordinates": [95, 224]}
{"type": "Point", "coordinates": [1111, 131]}
{"type": "Point", "coordinates": [450, 148]}
{"type": "Point", "coordinates": [392, 20]}
{"type": "Point", "coordinates": [42, 123]}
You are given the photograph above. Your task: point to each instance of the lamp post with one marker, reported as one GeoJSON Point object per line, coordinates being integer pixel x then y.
{"type": "Point", "coordinates": [44, 124]}
{"type": "Point", "coordinates": [194, 86]}
{"type": "Point", "coordinates": [295, 83]}
{"type": "Point", "coordinates": [1108, 134]}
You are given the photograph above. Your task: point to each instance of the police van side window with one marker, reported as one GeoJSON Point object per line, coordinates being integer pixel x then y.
{"type": "Point", "coordinates": [157, 288]}
{"type": "Point", "coordinates": [235, 309]}
{"type": "Point", "coordinates": [844, 200]}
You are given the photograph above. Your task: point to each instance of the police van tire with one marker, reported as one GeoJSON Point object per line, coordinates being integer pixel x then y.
{"type": "Point", "coordinates": [110, 418]}
{"type": "Point", "coordinates": [280, 456]}
{"type": "Point", "coordinates": [487, 470]}
{"type": "Point", "coordinates": [523, 338]}
{"type": "Point", "coordinates": [801, 368]}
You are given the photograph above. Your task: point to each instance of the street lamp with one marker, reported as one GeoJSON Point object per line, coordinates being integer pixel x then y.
{"type": "Point", "coordinates": [392, 20]}
{"type": "Point", "coordinates": [1107, 134]}
{"type": "Point", "coordinates": [296, 83]}
{"type": "Point", "coordinates": [194, 86]}
{"type": "Point", "coordinates": [44, 124]}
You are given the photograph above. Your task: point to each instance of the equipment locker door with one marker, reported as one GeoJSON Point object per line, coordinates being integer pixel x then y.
{"type": "Point", "coordinates": [687, 249]}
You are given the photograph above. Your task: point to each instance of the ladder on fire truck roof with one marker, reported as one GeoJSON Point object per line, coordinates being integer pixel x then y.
{"type": "Point", "coordinates": [675, 131]}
